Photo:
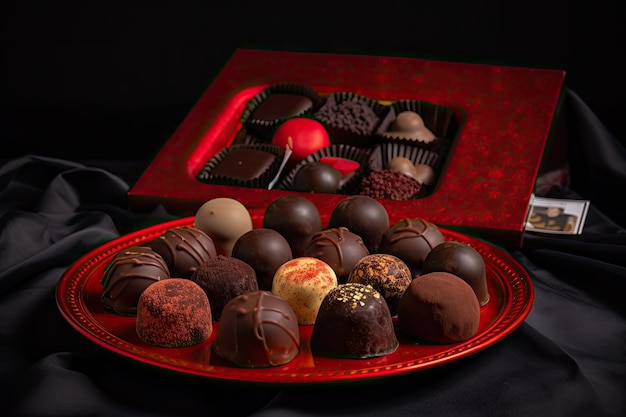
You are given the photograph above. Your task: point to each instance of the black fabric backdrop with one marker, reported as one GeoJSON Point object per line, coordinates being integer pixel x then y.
{"type": "Point", "coordinates": [567, 359]}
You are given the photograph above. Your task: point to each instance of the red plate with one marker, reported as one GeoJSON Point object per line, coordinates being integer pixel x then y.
{"type": "Point", "coordinates": [78, 299]}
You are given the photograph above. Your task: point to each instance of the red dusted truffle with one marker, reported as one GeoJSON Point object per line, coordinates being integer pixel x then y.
{"type": "Point", "coordinates": [174, 312]}
{"type": "Point", "coordinates": [389, 184]}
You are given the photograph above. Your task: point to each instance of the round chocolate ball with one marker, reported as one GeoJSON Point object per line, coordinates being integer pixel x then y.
{"type": "Point", "coordinates": [264, 250]}
{"type": "Point", "coordinates": [364, 216]}
{"type": "Point", "coordinates": [424, 174]}
{"type": "Point", "coordinates": [184, 249]}
{"type": "Point", "coordinates": [224, 220]}
{"type": "Point", "coordinates": [403, 165]}
{"type": "Point", "coordinates": [339, 248]}
{"type": "Point", "coordinates": [317, 177]}
{"type": "Point", "coordinates": [463, 261]}
{"type": "Point", "coordinates": [411, 239]}
{"type": "Point", "coordinates": [294, 217]}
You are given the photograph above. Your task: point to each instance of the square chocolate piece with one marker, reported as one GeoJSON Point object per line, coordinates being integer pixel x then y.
{"type": "Point", "coordinates": [244, 164]}
{"type": "Point", "coordinates": [281, 106]}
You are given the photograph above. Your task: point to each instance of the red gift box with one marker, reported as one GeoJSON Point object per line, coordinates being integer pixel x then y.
{"type": "Point", "coordinates": [509, 116]}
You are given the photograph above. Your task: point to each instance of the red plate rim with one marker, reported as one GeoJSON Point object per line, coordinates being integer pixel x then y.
{"type": "Point", "coordinates": [510, 288]}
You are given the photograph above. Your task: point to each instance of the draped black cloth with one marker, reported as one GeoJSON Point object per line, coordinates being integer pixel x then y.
{"type": "Point", "coordinates": [567, 359]}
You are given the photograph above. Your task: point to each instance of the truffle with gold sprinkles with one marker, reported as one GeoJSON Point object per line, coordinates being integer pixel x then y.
{"type": "Point", "coordinates": [353, 322]}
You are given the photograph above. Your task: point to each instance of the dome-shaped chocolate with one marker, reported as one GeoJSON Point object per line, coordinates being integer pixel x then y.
{"type": "Point", "coordinates": [364, 216]}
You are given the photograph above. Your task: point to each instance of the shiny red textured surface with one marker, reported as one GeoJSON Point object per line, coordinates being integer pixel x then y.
{"type": "Point", "coordinates": [508, 114]}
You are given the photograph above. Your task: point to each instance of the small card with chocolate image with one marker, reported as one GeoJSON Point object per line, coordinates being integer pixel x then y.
{"type": "Point", "coordinates": [559, 216]}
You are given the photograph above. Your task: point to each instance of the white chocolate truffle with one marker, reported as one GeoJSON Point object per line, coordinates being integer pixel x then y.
{"type": "Point", "coordinates": [224, 220]}
{"type": "Point", "coordinates": [304, 282]}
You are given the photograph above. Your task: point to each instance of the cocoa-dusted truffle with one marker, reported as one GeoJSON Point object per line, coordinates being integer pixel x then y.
{"type": "Point", "coordinates": [264, 250]}
{"type": "Point", "coordinates": [363, 215]}
{"type": "Point", "coordinates": [174, 312]}
{"type": "Point", "coordinates": [463, 261]}
{"type": "Point", "coordinates": [304, 282]}
{"type": "Point", "coordinates": [258, 329]}
{"type": "Point", "coordinates": [224, 220]}
{"type": "Point", "coordinates": [184, 248]}
{"type": "Point", "coordinates": [353, 322]}
{"type": "Point", "coordinates": [127, 275]}
{"type": "Point", "coordinates": [317, 177]}
{"type": "Point", "coordinates": [411, 239]}
{"type": "Point", "coordinates": [386, 273]}
{"type": "Point", "coordinates": [339, 248]}
{"type": "Point", "coordinates": [294, 217]}
{"type": "Point", "coordinates": [439, 307]}
{"type": "Point", "coordinates": [389, 184]}
{"type": "Point", "coordinates": [223, 278]}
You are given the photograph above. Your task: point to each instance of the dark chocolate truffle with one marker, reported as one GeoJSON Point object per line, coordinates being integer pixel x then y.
{"type": "Point", "coordinates": [363, 215]}
{"type": "Point", "coordinates": [174, 312]}
{"type": "Point", "coordinates": [294, 217]}
{"type": "Point", "coordinates": [353, 322]}
{"type": "Point", "coordinates": [264, 250]}
{"type": "Point", "coordinates": [223, 278]}
{"type": "Point", "coordinates": [411, 239]}
{"type": "Point", "coordinates": [184, 248]}
{"type": "Point", "coordinates": [258, 329]}
{"type": "Point", "coordinates": [439, 307]}
{"type": "Point", "coordinates": [339, 248]}
{"type": "Point", "coordinates": [281, 106]}
{"type": "Point", "coordinates": [463, 261]}
{"type": "Point", "coordinates": [127, 275]}
{"type": "Point", "coordinates": [317, 177]}
{"type": "Point", "coordinates": [389, 184]}
{"type": "Point", "coordinates": [386, 273]}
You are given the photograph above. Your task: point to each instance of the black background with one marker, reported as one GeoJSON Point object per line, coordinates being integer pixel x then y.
{"type": "Point", "coordinates": [113, 81]}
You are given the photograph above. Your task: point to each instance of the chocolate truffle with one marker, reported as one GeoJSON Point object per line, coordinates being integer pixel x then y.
{"type": "Point", "coordinates": [411, 239]}
{"type": "Point", "coordinates": [386, 273]}
{"type": "Point", "coordinates": [410, 125]}
{"type": "Point", "coordinates": [304, 282]}
{"type": "Point", "coordinates": [354, 323]}
{"type": "Point", "coordinates": [281, 106]}
{"type": "Point", "coordinates": [439, 307]}
{"type": "Point", "coordinates": [258, 329]}
{"type": "Point", "coordinates": [184, 248]}
{"type": "Point", "coordinates": [389, 184]}
{"type": "Point", "coordinates": [222, 279]}
{"type": "Point", "coordinates": [127, 275]}
{"type": "Point", "coordinates": [363, 215]}
{"type": "Point", "coordinates": [317, 177]}
{"type": "Point", "coordinates": [224, 220]}
{"type": "Point", "coordinates": [264, 250]}
{"type": "Point", "coordinates": [463, 261]}
{"type": "Point", "coordinates": [424, 174]}
{"type": "Point", "coordinates": [174, 312]}
{"type": "Point", "coordinates": [294, 217]}
{"type": "Point", "coordinates": [339, 248]}
{"type": "Point", "coordinates": [244, 164]}
{"type": "Point", "coordinates": [403, 165]}
{"type": "Point", "coordinates": [353, 115]}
